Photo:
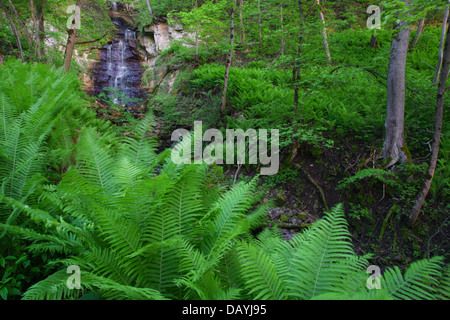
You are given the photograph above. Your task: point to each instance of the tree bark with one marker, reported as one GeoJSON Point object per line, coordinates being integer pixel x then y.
{"type": "Point", "coordinates": [14, 30]}
{"type": "Point", "coordinates": [149, 7]}
{"type": "Point", "coordinates": [259, 22]}
{"type": "Point", "coordinates": [441, 46]}
{"type": "Point", "coordinates": [296, 76]}
{"type": "Point", "coordinates": [419, 31]}
{"type": "Point", "coordinates": [36, 29]}
{"type": "Point", "coordinates": [70, 46]}
{"type": "Point", "coordinates": [394, 149]}
{"type": "Point", "coordinates": [437, 132]}
{"type": "Point", "coordinates": [41, 25]}
{"type": "Point", "coordinates": [30, 41]}
{"type": "Point", "coordinates": [283, 44]}
{"type": "Point", "coordinates": [324, 33]}
{"type": "Point", "coordinates": [241, 17]}
{"type": "Point", "coordinates": [373, 41]}
{"type": "Point", "coordinates": [229, 60]}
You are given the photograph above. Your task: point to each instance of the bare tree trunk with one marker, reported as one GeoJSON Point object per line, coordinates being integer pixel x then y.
{"type": "Point", "coordinates": [296, 76]}
{"type": "Point", "coordinates": [324, 33]}
{"type": "Point", "coordinates": [14, 30]}
{"type": "Point", "coordinates": [149, 7]}
{"type": "Point", "coordinates": [419, 31]}
{"type": "Point", "coordinates": [394, 149]}
{"type": "Point", "coordinates": [283, 44]}
{"type": "Point", "coordinates": [197, 38]}
{"type": "Point", "coordinates": [241, 18]}
{"type": "Point", "coordinates": [373, 41]}
{"type": "Point", "coordinates": [229, 60]}
{"type": "Point", "coordinates": [70, 47]}
{"type": "Point", "coordinates": [41, 25]}
{"type": "Point", "coordinates": [30, 41]}
{"type": "Point", "coordinates": [437, 132]}
{"type": "Point", "coordinates": [259, 22]}
{"type": "Point", "coordinates": [36, 28]}
{"type": "Point", "coordinates": [441, 46]}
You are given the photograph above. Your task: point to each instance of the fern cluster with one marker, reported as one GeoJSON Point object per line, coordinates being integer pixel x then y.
{"type": "Point", "coordinates": [140, 227]}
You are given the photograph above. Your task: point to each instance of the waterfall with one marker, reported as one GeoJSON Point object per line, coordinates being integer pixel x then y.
{"type": "Point", "coordinates": [109, 57]}
{"type": "Point", "coordinates": [121, 50]}
{"type": "Point", "coordinates": [114, 6]}
{"type": "Point", "coordinates": [130, 35]}
{"type": "Point", "coordinates": [118, 74]}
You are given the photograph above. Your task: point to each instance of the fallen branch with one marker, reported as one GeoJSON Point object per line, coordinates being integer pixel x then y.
{"type": "Point", "coordinates": [311, 179]}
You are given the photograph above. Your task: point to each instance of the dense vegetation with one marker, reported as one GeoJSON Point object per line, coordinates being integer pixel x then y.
{"type": "Point", "coordinates": [93, 185]}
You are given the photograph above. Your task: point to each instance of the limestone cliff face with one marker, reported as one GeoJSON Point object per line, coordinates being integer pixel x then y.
{"type": "Point", "coordinates": [157, 38]}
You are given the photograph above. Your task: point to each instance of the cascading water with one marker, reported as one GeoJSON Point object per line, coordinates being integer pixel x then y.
{"type": "Point", "coordinates": [118, 74]}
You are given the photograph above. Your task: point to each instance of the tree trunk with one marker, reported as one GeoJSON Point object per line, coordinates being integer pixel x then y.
{"type": "Point", "coordinates": [283, 44]}
{"type": "Point", "coordinates": [241, 17]}
{"type": "Point", "coordinates": [149, 7]}
{"type": "Point", "coordinates": [259, 22]}
{"type": "Point", "coordinates": [419, 31]}
{"type": "Point", "coordinates": [324, 33]}
{"type": "Point", "coordinates": [441, 46]}
{"type": "Point", "coordinates": [30, 41]}
{"type": "Point", "coordinates": [14, 30]}
{"type": "Point", "coordinates": [373, 41]}
{"type": "Point", "coordinates": [394, 149]}
{"type": "Point", "coordinates": [36, 29]}
{"type": "Point", "coordinates": [229, 60]}
{"type": "Point", "coordinates": [70, 47]}
{"type": "Point", "coordinates": [41, 25]}
{"type": "Point", "coordinates": [437, 132]}
{"type": "Point", "coordinates": [296, 76]}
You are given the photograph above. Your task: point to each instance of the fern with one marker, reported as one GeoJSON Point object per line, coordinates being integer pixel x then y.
{"type": "Point", "coordinates": [418, 283]}
{"type": "Point", "coordinates": [261, 276]}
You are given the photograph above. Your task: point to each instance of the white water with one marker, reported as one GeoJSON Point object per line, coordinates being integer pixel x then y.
{"type": "Point", "coordinates": [130, 35]}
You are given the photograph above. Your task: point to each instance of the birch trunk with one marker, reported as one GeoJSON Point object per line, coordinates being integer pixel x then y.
{"type": "Point", "coordinates": [437, 132]}
{"type": "Point", "coordinates": [324, 33]}
{"type": "Point", "coordinates": [229, 60]}
{"type": "Point", "coordinates": [441, 46]}
{"type": "Point", "coordinates": [149, 7]}
{"type": "Point", "coordinates": [394, 149]}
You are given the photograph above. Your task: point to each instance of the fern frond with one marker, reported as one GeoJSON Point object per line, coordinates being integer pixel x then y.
{"type": "Point", "coordinates": [260, 274]}
{"type": "Point", "coordinates": [418, 283]}
{"type": "Point", "coordinates": [323, 260]}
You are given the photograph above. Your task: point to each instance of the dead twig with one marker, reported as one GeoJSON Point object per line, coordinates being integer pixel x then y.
{"type": "Point", "coordinates": [311, 179]}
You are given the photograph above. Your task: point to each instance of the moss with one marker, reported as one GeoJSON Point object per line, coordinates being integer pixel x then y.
{"type": "Point", "coordinates": [280, 200]}
{"type": "Point", "coordinates": [302, 216]}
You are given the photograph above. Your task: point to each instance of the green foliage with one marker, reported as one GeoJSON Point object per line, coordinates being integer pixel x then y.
{"type": "Point", "coordinates": [41, 109]}
{"type": "Point", "coordinates": [377, 174]}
